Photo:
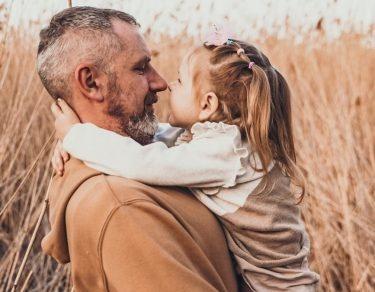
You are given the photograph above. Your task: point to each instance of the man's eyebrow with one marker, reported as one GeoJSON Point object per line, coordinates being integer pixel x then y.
{"type": "Point", "coordinates": [142, 60]}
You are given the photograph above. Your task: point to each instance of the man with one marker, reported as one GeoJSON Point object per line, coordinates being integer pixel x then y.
{"type": "Point", "coordinates": [118, 234]}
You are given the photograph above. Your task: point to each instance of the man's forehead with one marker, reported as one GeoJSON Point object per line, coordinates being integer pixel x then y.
{"type": "Point", "coordinates": [130, 37]}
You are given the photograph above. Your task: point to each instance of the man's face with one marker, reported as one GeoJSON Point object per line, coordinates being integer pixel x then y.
{"type": "Point", "coordinates": [132, 87]}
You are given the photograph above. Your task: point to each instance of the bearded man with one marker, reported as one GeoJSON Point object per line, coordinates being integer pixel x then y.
{"type": "Point", "coordinates": [119, 234]}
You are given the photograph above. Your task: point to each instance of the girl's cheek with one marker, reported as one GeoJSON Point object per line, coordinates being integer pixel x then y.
{"type": "Point", "coordinates": [172, 115]}
{"type": "Point", "coordinates": [173, 105]}
{"type": "Point", "coordinates": [172, 100]}
{"type": "Point", "coordinates": [175, 96]}
{"type": "Point", "coordinates": [182, 91]}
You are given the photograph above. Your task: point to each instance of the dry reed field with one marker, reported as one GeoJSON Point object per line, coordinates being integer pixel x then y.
{"type": "Point", "coordinates": [334, 120]}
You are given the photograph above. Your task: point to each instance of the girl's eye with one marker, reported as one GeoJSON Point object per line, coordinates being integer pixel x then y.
{"type": "Point", "coordinates": [179, 80]}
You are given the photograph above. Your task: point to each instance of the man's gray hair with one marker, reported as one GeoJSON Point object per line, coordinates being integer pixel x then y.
{"type": "Point", "coordinates": [75, 34]}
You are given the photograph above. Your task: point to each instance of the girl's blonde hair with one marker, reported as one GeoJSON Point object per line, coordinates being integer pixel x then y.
{"type": "Point", "coordinates": [257, 100]}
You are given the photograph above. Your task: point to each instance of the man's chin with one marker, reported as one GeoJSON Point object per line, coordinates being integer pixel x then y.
{"type": "Point", "coordinates": [143, 130]}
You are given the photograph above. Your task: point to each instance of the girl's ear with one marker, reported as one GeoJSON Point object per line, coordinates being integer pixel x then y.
{"type": "Point", "coordinates": [208, 106]}
{"type": "Point", "coordinates": [88, 81]}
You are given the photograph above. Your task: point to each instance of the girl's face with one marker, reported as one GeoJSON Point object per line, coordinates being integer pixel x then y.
{"type": "Point", "coordinates": [184, 103]}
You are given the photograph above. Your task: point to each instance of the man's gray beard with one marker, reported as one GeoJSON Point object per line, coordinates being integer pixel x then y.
{"type": "Point", "coordinates": [142, 129]}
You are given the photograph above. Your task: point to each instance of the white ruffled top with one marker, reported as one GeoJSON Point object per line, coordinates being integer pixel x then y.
{"type": "Point", "coordinates": [214, 160]}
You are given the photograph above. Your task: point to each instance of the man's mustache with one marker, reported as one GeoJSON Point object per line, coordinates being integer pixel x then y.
{"type": "Point", "coordinates": [151, 98]}
{"type": "Point", "coordinates": [148, 111]}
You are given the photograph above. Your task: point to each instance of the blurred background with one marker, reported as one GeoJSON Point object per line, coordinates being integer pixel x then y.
{"type": "Point", "coordinates": [325, 49]}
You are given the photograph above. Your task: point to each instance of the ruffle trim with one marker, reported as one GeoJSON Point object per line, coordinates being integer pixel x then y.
{"type": "Point", "coordinates": [212, 129]}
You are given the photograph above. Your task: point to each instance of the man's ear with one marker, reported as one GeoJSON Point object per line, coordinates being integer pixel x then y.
{"type": "Point", "coordinates": [88, 82]}
{"type": "Point", "coordinates": [208, 106]}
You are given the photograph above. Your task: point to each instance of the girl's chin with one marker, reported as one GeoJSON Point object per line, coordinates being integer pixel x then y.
{"type": "Point", "coordinates": [176, 123]}
{"type": "Point", "coordinates": [172, 121]}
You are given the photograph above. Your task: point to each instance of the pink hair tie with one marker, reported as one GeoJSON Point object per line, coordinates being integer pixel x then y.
{"type": "Point", "coordinates": [251, 64]}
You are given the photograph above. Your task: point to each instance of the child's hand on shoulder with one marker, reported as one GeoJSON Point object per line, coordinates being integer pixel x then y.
{"type": "Point", "coordinates": [65, 118]}
{"type": "Point", "coordinates": [59, 158]}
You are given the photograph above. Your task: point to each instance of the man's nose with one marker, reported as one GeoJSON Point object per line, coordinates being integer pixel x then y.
{"type": "Point", "coordinates": [156, 82]}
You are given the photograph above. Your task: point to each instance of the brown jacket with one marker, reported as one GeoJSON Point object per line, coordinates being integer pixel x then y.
{"type": "Point", "coordinates": [121, 235]}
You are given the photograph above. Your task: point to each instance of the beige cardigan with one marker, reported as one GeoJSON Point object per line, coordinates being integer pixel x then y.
{"type": "Point", "coordinates": [268, 239]}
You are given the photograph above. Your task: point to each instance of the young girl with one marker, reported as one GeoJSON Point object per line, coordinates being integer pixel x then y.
{"type": "Point", "coordinates": [237, 157]}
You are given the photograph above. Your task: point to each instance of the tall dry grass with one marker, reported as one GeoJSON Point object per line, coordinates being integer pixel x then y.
{"type": "Point", "coordinates": [333, 105]}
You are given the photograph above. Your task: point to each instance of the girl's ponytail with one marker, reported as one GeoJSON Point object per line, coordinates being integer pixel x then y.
{"type": "Point", "coordinates": [255, 114]}
{"type": "Point", "coordinates": [254, 96]}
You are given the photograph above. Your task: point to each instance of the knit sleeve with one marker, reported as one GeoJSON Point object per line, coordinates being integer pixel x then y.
{"type": "Point", "coordinates": [167, 134]}
{"type": "Point", "coordinates": [211, 159]}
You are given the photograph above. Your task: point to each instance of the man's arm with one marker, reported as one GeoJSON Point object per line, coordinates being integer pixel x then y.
{"type": "Point", "coordinates": [144, 248]}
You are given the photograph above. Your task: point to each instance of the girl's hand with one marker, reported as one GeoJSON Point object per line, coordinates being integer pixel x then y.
{"type": "Point", "coordinates": [185, 137]}
{"type": "Point", "coordinates": [59, 158]}
{"type": "Point", "coordinates": [65, 118]}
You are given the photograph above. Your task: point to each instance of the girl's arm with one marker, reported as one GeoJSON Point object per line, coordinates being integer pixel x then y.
{"type": "Point", "coordinates": [167, 134]}
{"type": "Point", "coordinates": [204, 162]}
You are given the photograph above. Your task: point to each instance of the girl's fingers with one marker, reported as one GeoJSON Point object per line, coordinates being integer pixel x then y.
{"type": "Point", "coordinates": [65, 156]}
{"type": "Point", "coordinates": [55, 110]}
{"type": "Point", "coordinates": [60, 164]}
{"type": "Point", "coordinates": [57, 160]}
{"type": "Point", "coordinates": [65, 108]}
{"type": "Point", "coordinates": [56, 152]}
{"type": "Point", "coordinates": [62, 152]}
{"type": "Point", "coordinates": [54, 165]}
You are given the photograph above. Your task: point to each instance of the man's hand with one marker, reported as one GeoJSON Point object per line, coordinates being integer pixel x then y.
{"type": "Point", "coordinates": [65, 118]}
